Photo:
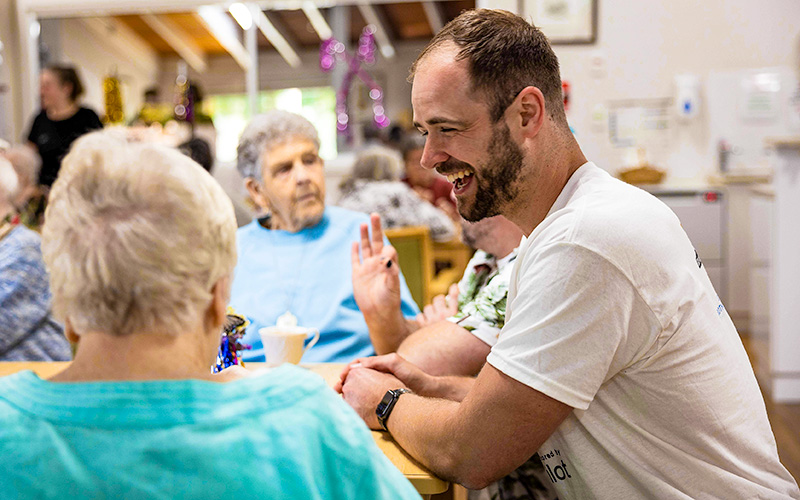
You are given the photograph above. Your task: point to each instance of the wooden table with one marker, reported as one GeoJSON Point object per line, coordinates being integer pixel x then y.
{"type": "Point", "coordinates": [425, 482]}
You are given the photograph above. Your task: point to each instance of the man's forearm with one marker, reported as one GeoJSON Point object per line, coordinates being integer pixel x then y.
{"type": "Point", "coordinates": [423, 427]}
{"type": "Point", "coordinates": [452, 388]}
{"type": "Point", "coordinates": [445, 348]}
{"type": "Point", "coordinates": [493, 430]}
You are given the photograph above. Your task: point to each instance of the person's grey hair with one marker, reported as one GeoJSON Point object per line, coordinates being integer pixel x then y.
{"type": "Point", "coordinates": [135, 237]}
{"type": "Point", "coordinates": [9, 182]}
{"type": "Point", "coordinates": [26, 163]}
{"type": "Point", "coordinates": [412, 142]}
{"type": "Point", "coordinates": [376, 163]}
{"type": "Point", "coordinates": [266, 131]}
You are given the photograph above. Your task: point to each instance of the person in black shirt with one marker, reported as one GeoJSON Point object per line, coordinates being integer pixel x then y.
{"type": "Point", "coordinates": [61, 121]}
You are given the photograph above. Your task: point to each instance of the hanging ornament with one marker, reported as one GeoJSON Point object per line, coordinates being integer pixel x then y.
{"type": "Point", "coordinates": [112, 98]}
{"type": "Point", "coordinates": [184, 97]}
{"type": "Point", "coordinates": [366, 45]}
{"type": "Point", "coordinates": [330, 52]}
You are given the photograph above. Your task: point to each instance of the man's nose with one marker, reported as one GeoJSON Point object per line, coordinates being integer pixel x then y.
{"type": "Point", "coordinates": [433, 154]}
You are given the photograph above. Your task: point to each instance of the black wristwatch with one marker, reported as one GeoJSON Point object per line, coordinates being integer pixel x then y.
{"type": "Point", "coordinates": [386, 405]}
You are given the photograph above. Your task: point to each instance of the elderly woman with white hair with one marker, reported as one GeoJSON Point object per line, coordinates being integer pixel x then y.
{"type": "Point", "coordinates": [297, 257]}
{"type": "Point", "coordinates": [28, 331]}
{"type": "Point", "coordinates": [374, 186]}
{"type": "Point", "coordinates": [140, 244]}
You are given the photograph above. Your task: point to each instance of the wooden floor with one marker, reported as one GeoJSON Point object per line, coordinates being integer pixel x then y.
{"type": "Point", "coordinates": [785, 418]}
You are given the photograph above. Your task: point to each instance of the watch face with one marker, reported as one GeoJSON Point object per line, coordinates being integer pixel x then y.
{"type": "Point", "coordinates": [384, 404]}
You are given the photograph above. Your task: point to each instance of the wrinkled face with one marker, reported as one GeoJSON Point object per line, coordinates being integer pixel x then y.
{"type": "Point", "coordinates": [479, 157]}
{"type": "Point", "coordinates": [52, 91]}
{"type": "Point", "coordinates": [293, 187]}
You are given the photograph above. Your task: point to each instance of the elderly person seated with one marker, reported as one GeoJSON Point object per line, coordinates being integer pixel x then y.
{"type": "Point", "coordinates": [428, 184]}
{"type": "Point", "coordinates": [296, 258]}
{"type": "Point", "coordinates": [28, 331]}
{"type": "Point", "coordinates": [374, 186]}
{"type": "Point", "coordinates": [30, 199]}
{"type": "Point", "coordinates": [140, 242]}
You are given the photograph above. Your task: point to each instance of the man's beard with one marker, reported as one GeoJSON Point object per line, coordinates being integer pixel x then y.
{"type": "Point", "coordinates": [498, 182]}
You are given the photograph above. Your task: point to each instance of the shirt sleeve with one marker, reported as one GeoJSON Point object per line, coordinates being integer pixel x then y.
{"type": "Point", "coordinates": [94, 121]}
{"type": "Point", "coordinates": [575, 321]}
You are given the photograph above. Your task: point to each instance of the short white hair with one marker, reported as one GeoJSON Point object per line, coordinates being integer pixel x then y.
{"type": "Point", "coordinates": [9, 183]}
{"type": "Point", "coordinates": [135, 237]}
{"type": "Point", "coordinates": [266, 131]}
{"type": "Point", "coordinates": [26, 163]}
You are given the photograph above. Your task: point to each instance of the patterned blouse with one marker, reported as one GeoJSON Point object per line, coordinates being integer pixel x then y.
{"type": "Point", "coordinates": [398, 206]}
{"type": "Point", "coordinates": [28, 331]}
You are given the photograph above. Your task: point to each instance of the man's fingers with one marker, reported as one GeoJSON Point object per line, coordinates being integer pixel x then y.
{"type": "Point", "coordinates": [386, 363]}
{"type": "Point", "coordinates": [377, 233]}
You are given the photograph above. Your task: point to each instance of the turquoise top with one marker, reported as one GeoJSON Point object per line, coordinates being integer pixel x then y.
{"type": "Point", "coordinates": [310, 274]}
{"type": "Point", "coordinates": [282, 434]}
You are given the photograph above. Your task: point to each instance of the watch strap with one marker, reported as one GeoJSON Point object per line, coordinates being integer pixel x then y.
{"type": "Point", "coordinates": [386, 405]}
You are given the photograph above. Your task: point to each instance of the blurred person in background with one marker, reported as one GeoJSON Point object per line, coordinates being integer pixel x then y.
{"type": "Point", "coordinates": [374, 186]}
{"type": "Point", "coordinates": [61, 120]}
{"type": "Point", "coordinates": [30, 199]}
{"type": "Point", "coordinates": [28, 331]}
{"type": "Point", "coordinates": [140, 242]}
{"type": "Point", "coordinates": [198, 150]}
{"type": "Point", "coordinates": [428, 184]}
{"type": "Point", "coordinates": [296, 257]}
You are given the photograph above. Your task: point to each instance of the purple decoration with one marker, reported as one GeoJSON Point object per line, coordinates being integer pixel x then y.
{"type": "Point", "coordinates": [330, 52]}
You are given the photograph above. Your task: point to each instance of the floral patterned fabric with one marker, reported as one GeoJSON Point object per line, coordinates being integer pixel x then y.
{"type": "Point", "coordinates": [482, 295]}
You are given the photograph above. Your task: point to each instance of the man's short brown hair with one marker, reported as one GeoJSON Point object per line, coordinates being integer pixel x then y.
{"type": "Point", "coordinates": [505, 55]}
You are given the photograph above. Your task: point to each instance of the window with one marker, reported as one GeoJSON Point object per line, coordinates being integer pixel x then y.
{"type": "Point", "coordinates": [230, 114]}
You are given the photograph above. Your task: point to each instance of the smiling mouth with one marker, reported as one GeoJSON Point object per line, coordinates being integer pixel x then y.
{"type": "Point", "coordinates": [459, 179]}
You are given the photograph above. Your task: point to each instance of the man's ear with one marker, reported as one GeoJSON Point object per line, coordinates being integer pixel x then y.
{"type": "Point", "coordinates": [529, 111]}
{"type": "Point", "coordinates": [256, 192]}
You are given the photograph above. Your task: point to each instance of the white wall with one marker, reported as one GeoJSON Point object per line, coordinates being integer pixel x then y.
{"type": "Point", "coordinates": [10, 97]}
{"type": "Point", "coordinates": [641, 46]}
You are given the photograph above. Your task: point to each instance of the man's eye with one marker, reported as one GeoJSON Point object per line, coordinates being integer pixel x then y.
{"type": "Point", "coordinates": [423, 133]}
{"type": "Point", "coordinates": [447, 130]}
{"type": "Point", "coordinates": [310, 159]}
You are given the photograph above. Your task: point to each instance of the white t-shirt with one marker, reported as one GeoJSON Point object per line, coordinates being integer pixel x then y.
{"type": "Point", "coordinates": [611, 312]}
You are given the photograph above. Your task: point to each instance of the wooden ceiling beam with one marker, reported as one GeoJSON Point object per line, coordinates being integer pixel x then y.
{"type": "Point", "coordinates": [224, 29]}
{"type": "Point", "coordinates": [284, 47]}
{"type": "Point", "coordinates": [371, 16]}
{"type": "Point", "coordinates": [179, 40]}
{"type": "Point", "coordinates": [317, 20]}
{"type": "Point", "coordinates": [434, 15]}
{"type": "Point", "coordinates": [127, 43]}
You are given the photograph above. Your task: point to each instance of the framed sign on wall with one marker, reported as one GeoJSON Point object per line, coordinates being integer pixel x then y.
{"type": "Point", "coordinates": [564, 21]}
